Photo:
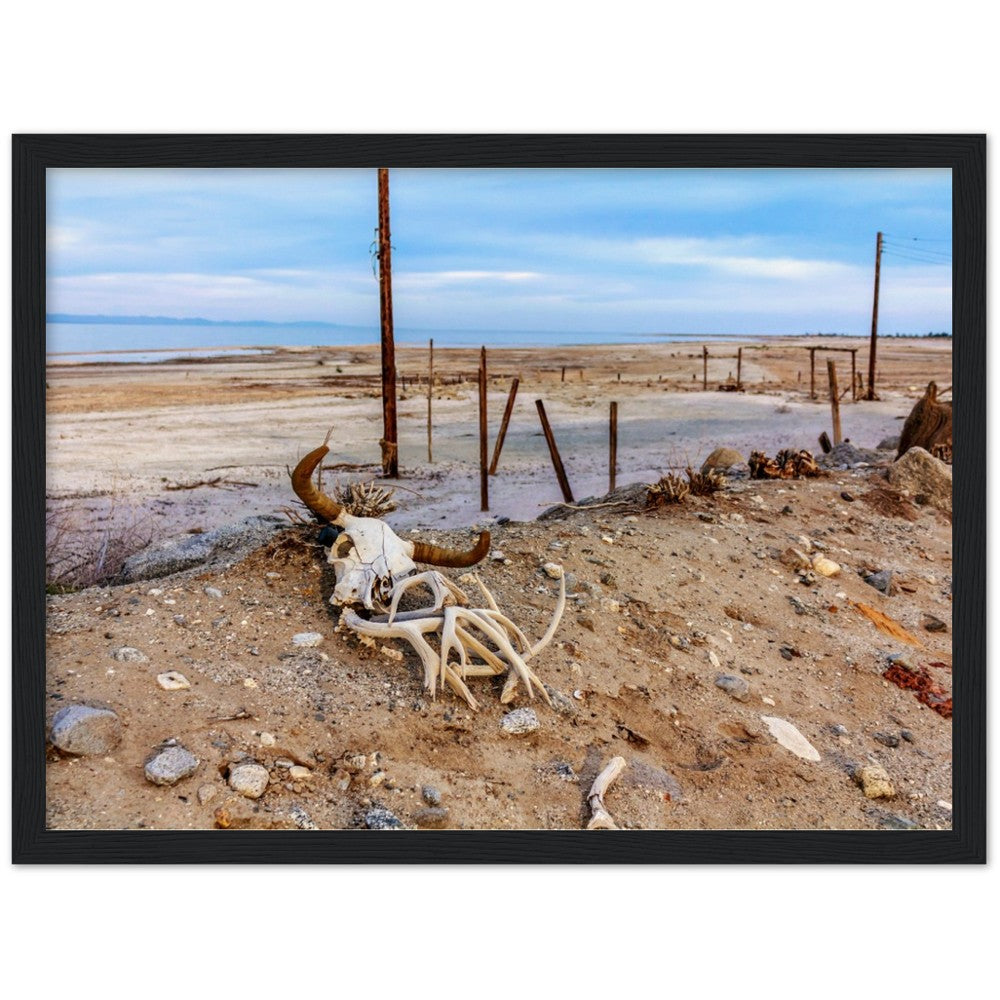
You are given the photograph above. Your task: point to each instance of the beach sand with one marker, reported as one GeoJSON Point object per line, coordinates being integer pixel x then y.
{"type": "Point", "coordinates": [672, 598]}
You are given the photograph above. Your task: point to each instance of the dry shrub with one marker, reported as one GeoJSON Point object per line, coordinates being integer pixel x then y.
{"type": "Point", "coordinates": [704, 484]}
{"type": "Point", "coordinates": [669, 489]}
{"type": "Point", "coordinates": [787, 465]}
{"type": "Point", "coordinates": [365, 499]}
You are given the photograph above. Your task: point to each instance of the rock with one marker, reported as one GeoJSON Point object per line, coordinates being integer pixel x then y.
{"type": "Point", "coordinates": [882, 581]}
{"type": "Point", "coordinates": [213, 592]}
{"type": "Point", "coordinates": [431, 795]}
{"type": "Point", "coordinates": [169, 764]}
{"type": "Point", "coordinates": [562, 703]}
{"type": "Point", "coordinates": [299, 773]}
{"type": "Point", "coordinates": [226, 544]}
{"type": "Point", "coordinates": [721, 460]}
{"type": "Point", "coordinates": [248, 778]}
{"type": "Point", "coordinates": [206, 793]}
{"type": "Point", "coordinates": [874, 782]}
{"type": "Point", "coordinates": [846, 497]}
{"type": "Point", "coordinates": [886, 739]}
{"type": "Point", "coordinates": [933, 624]}
{"type": "Point", "coordinates": [173, 680]}
{"type": "Point", "coordinates": [714, 659]}
{"type": "Point", "coordinates": [908, 736]}
{"type": "Point", "coordinates": [735, 686]}
{"type": "Point", "coordinates": [888, 443]}
{"type": "Point", "coordinates": [267, 739]}
{"type": "Point", "coordinates": [825, 567]}
{"type": "Point", "coordinates": [847, 455]}
{"type": "Point", "coordinates": [85, 731]}
{"type": "Point", "coordinates": [794, 559]}
{"type": "Point", "coordinates": [307, 639]}
{"type": "Point", "coordinates": [129, 654]}
{"type": "Point", "coordinates": [553, 570]}
{"type": "Point", "coordinates": [497, 556]}
{"type": "Point", "coordinates": [927, 479]}
{"type": "Point", "coordinates": [790, 738]}
{"type": "Point", "coordinates": [382, 819]}
{"type": "Point", "coordinates": [520, 721]}
{"type": "Point", "coordinates": [435, 817]}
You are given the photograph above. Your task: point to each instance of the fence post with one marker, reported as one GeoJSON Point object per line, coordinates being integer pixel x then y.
{"type": "Point", "coordinates": [508, 409]}
{"type": "Point", "coordinates": [554, 453]}
{"type": "Point", "coordinates": [831, 372]}
{"type": "Point", "coordinates": [613, 462]}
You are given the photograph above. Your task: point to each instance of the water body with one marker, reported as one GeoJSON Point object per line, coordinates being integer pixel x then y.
{"type": "Point", "coordinates": [151, 342]}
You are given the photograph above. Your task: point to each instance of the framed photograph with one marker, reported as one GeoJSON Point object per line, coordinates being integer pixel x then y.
{"type": "Point", "coordinates": [534, 499]}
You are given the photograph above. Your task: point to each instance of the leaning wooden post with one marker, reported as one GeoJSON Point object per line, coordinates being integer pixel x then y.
{"type": "Point", "coordinates": [508, 410]}
{"type": "Point", "coordinates": [484, 482]}
{"type": "Point", "coordinates": [831, 372]}
{"type": "Point", "coordinates": [613, 461]}
{"type": "Point", "coordinates": [739, 369]}
{"type": "Point", "coordinates": [704, 368]}
{"type": "Point", "coordinates": [554, 452]}
{"type": "Point", "coordinates": [430, 396]}
{"type": "Point", "coordinates": [390, 446]}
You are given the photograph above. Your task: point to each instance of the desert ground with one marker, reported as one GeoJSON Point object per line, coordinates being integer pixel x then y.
{"type": "Point", "coordinates": [661, 603]}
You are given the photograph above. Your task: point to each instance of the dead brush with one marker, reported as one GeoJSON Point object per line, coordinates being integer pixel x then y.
{"type": "Point", "coordinates": [704, 484]}
{"type": "Point", "coordinates": [668, 489]}
{"type": "Point", "coordinates": [365, 499]}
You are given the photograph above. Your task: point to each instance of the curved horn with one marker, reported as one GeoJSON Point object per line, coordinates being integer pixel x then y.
{"type": "Point", "coordinates": [319, 503]}
{"type": "Point", "coordinates": [434, 555]}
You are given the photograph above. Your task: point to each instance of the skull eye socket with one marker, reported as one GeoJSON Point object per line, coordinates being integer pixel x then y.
{"type": "Point", "coordinates": [342, 546]}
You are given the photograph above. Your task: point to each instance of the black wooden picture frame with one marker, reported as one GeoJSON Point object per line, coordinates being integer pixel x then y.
{"type": "Point", "coordinates": [964, 155]}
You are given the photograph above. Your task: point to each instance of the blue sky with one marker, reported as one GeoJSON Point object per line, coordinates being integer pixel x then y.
{"type": "Point", "coordinates": [639, 250]}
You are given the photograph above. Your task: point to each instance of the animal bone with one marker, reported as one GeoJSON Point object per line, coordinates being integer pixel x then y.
{"type": "Point", "coordinates": [375, 568]}
{"type": "Point", "coordinates": [601, 818]}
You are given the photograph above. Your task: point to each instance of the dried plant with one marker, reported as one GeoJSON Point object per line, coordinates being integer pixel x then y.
{"type": "Point", "coordinates": [669, 489]}
{"type": "Point", "coordinates": [787, 465]}
{"type": "Point", "coordinates": [704, 484]}
{"type": "Point", "coordinates": [365, 499]}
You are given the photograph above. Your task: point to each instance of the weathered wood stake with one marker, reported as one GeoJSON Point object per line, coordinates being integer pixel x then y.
{"type": "Point", "coordinates": [854, 380]}
{"type": "Point", "coordinates": [613, 462]}
{"type": "Point", "coordinates": [390, 445]}
{"type": "Point", "coordinates": [430, 396]}
{"type": "Point", "coordinates": [554, 453]}
{"type": "Point", "coordinates": [812, 372]}
{"type": "Point", "coordinates": [739, 369]}
{"type": "Point", "coordinates": [484, 479]}
{"type": "Point", "coordinates": [831, 372]}
{"type": "Point", "coordinates": [507, 410]}
{"type": "Point", "coordinates": [704, 368]}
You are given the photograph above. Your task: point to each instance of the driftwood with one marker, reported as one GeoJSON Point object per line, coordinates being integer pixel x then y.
{"type": "Point", "coordinates": [928, 426]}
{"type": "Point", "coordinates": [601, 818]}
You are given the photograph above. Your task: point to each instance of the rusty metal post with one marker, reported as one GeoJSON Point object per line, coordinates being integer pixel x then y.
{"type": "Point", "coordinates": [563, 378]}
{"type": "Point", "coordinates": [854, 381]}
{"type": "Point", "coordinates": [739, 369]}
{"type": "Point", "coordinates": [874, 340]}
{"type": "Point", "coordinates": [484, 481]}
{"type": "Point", "coordinates": [390, 443]}
{"type": "Point", "coordinates": [508, 410]}
{"type": "Point", "coordinates": [812, 372]}
{"type": "Point", "coordinates": [554, 453]}
{"type": "Point", "coordinates": [704, 368]}
{"type": "Point", "coordinates": [613, 462]}
{"type": "Point", "coordinates": [430, 396]}
{"type": "Point", "coordinates": [831, 372]}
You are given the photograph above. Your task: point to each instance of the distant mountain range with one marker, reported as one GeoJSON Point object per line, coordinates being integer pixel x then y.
{"type": "Point", "coordinates": [185, 321]}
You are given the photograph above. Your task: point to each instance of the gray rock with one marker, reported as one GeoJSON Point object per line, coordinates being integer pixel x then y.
{"type": "Point", "coordinates": [735, 686]}
{"type": "Point", "coordinates": [562, 703]}
{"type": "Point", "coordinates": [169, 764]}
{"type": "Point", "coordinates": [86, 731]}
{"type": "Point", "coordinates": [926, 478]}
{"type": "Point", "coordinates": [722, 459]}
{"type": "Point", "coordinates": [307, 639]}
{"type": "Point", "coordinates": [129, 654]}
{"type": "Point", "coordinates": [881, 581]}
{"type": "Point", "coordinates": [206, 793]}
{"type": "Point", "coordinates": [889, 443]}
{"type": "Point", "coordinates": [520, 721]}
{"type": "Point", "coordinates": [214, 593]}
{"type": "Point", "coordinates": [431, 795]}
{"type": "Point", "coordinates": [248, 778]}
{"type": "Point", "coordinates": [848, 455]}
{"type": "Point", "coordinates": [226, 544]}
{"type": "Point", "coordinates": [435, 817]}
{"type": "Point", "coordinates": [886, 739]}
{"type": "Point", "coordinates": [382, 819]}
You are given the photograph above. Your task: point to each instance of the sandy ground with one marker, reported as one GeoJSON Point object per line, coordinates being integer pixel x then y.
{"type": "Point", "coordinates": [661, 602]}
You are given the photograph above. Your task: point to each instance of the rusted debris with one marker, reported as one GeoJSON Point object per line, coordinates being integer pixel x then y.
{"type": "Point", "coordinates": [886, 624]}
{"type": "Point", "coordinates": [928, 426]}
{"type": "Point", "coordinates": [918, 680]}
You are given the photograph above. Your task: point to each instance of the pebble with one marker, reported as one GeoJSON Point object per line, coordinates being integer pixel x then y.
{"type": "Point", "coordinates": [377, 779]}
{"type": "Point", "coordinates": [886, 739]}
{"type": "Point", "coordinates": [129, 654]}
{"type": "Point", "coordinates": [84, 730]}
{"type": "Point", "coordinates": [307, 639]}
{"type": "Point", "coordinates": [520, 721]}
{"type": "Point", "coordinates": [382, 819]}
{"type": "Point", "coordinates": [944, 805]}
{"type": "Point", "coordinates": [844, 495]}
{"type": "Point", "coordinates": [882, 581]}
{"type": "Point", "coordinates": [298, 772]}
{"type": "Point", "coordinates": [794, 559]}
{"type": "Point", "coordinates": [934, 624]}
{"type": "Point", "coordinates": [214, 593]}
{"type": "Point", "coordinates": [173, 680]}
{"type": "Point", "coordinates": [908, 736]}
{"type": "Point", "coordinates": [713, 659]}
{"type": "Point", "coordinates": [431, 795]}
{"type": "Point", "coordinates": [826, 567]}
{"type": "Point", "coordinates": [267, 739]}
{"type": "Point", "coordinates": [874, 782]}
{"type": "Point", "coordinates": [790, 738]}
{"type": "Point", "coordinates": [206, 793]}
{"type": "Point", "coordinates": [168, 765]}
{"type": "Point", "coordinates": [248, 778]}
{"type": "Point", "coordinates": [768, 701]}
{"type": "Point", "coordinates": [431, 816]}
{"type": "Point", "coordinates": [735, 686]}
{"type": "Point", "coordinates": [553, 570]}
{"type": "Point", "coordinates": [497, 556]}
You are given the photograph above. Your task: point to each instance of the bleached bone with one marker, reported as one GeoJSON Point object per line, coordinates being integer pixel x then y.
{"type": "Point", "coordinates": [601, 818]}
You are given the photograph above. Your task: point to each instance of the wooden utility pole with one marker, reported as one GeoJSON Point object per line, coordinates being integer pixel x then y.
{"type": "Point", "coordinates": [484, 479]}
{"type": "Point", "coordinates": [613, 458]}
{"type": "Point", "coordinates": [390, 445]}
{"type": "Point", "coordinates": [831, 372]}
{"type": "Point", "coordinates": [508, 410]}
{"type": "Point", "coordinates": [430, 396]}
{"type": "Point", "coordinates": [554, 453]}
{"type": "Point", "coordinates": [871, 349]}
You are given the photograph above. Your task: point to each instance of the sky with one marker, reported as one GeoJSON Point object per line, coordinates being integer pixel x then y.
{"type": "Point", "coordinates": [626, 250]}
